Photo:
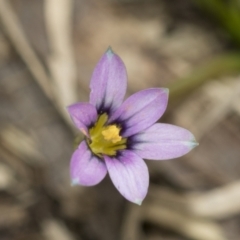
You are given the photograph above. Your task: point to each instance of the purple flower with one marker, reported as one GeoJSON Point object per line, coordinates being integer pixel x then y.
{"type": "Point", "coordinates": [120, 134]}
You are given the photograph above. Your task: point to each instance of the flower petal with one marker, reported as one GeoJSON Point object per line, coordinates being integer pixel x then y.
{"type": "Point", "coordinates": [109, 82]}
{"type": "Point", "coordinates": [129, 174]}
{"type": "Point", "coordinates": [85, 168]}
{"type": "Point", "coordinates": [83, 115]}
{"type": "Point", "coordinates": [141, 110]}
{"type": "Point", "coordinates": [163, 141]}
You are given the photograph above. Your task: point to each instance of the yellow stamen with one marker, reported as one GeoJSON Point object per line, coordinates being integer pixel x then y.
{"type": "Point", "coordinates": [111, 133]}
{"type": "Point", "coordinates": [105, 139]}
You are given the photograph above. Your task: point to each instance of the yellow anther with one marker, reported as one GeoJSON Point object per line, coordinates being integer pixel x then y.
{"type": "Point", "coordinates": [105, 139]}
{"type": "Point", "coordinates": [111, 133]}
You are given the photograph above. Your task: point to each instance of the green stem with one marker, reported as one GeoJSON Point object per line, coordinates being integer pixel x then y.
{"type": "Point", "coordinates": [223, 65]}
{"type": "Point", "coordinates": [227, 13]}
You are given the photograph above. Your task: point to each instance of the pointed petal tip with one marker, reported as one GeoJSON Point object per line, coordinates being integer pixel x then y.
{"type": "Point", "coordinates": [109, 82]}
{"type": "Point", "coordinates": [166, 90]}
{"type": "Point", "coordinates": [193, 144]}
{"type": "Point", "coordinates": [109, 52]}
{"type": "Point", "coordinates": [74, 182]}
{"type": "Point", "coordinates": [138, 202]}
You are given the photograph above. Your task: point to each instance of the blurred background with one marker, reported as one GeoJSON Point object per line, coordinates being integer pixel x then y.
{"type": "Point", "coordinates": [48, 50]}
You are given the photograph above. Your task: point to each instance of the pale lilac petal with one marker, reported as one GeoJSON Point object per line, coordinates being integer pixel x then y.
{"type": "Point", "coordinates": [163, 141]}
{"type": "Point", "coordinates": [141, 110]}
{"type": "Point", "coordinates": [109, 82]}
{"type": "Point", "coordinates": [129, 175]}
{"type": "Point", "coordinates": [85, 168]}
{"type": "Point", "coordinates": [83, 115]}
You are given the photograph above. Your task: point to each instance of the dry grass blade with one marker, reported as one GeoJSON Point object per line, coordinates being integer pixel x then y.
{"type": "Point", "coordinates": [131, 224]}
{"type": "Point", "coordinates": [220, 203]}
{"type": "Point", "coordinates": [12, 215]}
{"type": "Point", "coordinates": [191, 227]}
{"type": "Point", "coordinates": [202, 111]}
{"type": "Point", "coordinates": [58, 16]}
{"type": "Point", "coordinates": [221, 109]}
{"type": "Point", "coordinates": [25, 149]}
{"type": "Point", "coordinates": [210, 100]}
{"type": "Point", "coordinates": [21, 44]}
{"type": "Point", "coordinates": [16, 34]}
{"type": "Point", "coordinates": [53, 229]}
{"type": "Point", "coordinates": [6, 177]}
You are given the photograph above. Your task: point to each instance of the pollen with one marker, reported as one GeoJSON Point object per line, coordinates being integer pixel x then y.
{"type": "Point", "coordinates": [105, 139]}
{"type": "Point", "coordinates": [111, 133]}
